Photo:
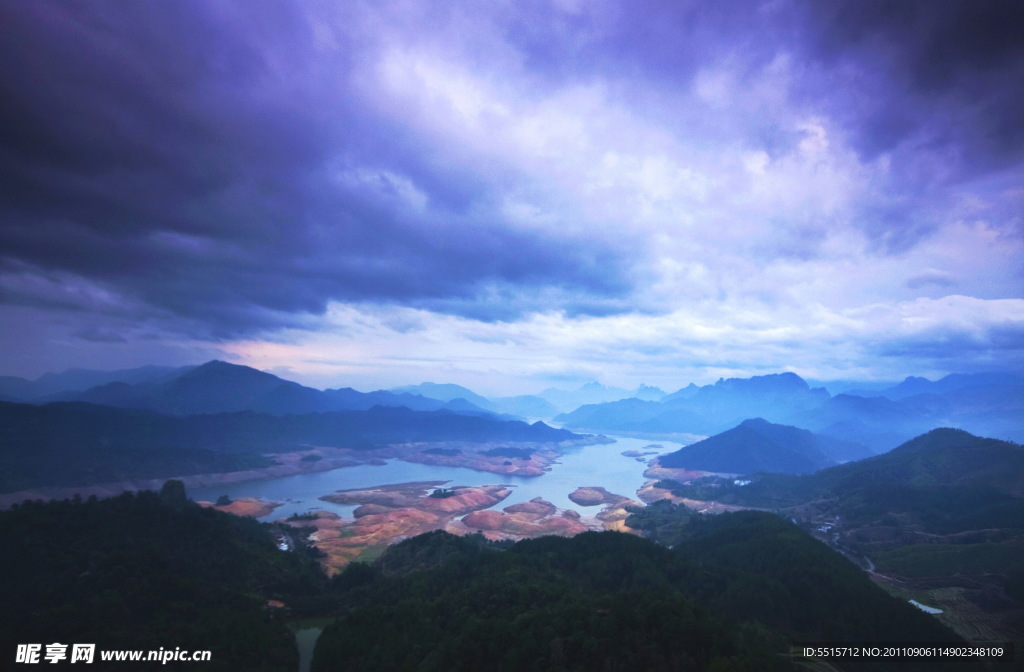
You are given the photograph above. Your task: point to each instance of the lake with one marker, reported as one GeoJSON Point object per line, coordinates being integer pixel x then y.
{"type": "Point", "coordinates": [594, 465]}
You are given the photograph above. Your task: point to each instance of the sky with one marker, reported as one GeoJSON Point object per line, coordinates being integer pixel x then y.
{"type": "Point", "coordinates": [513, 195]}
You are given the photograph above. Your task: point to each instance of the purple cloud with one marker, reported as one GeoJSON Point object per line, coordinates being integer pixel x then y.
{"type": "Point", "coordinates": [220, 172]}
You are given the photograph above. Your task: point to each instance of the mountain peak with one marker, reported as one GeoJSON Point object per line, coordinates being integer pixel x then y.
{"type": "Point", "coordinates": [445, 392]}
{"type": "Point", "coordinates": [219, 367]}
{"type": "Point", "coordinates": [752, 446]}
{"type": "Point", "coordinates": [214, 364]}
{"type": "Point", "coordinates": [773, 382]}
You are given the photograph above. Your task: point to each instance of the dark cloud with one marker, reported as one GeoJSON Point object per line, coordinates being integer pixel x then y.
{"type": "Point", "coordinates": [950, 72]}
{"type": "Point", "coordinates": [221, 169]}
{"type": "Point", "coordinates": [940, 42]}
{"type": "Point", "coordinates": [186, 156]}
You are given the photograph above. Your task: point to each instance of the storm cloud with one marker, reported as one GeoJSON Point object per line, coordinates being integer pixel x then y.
{"type": "Point", "coordinates": [230, 174]}
{"type": "Point", "coordinates": [209, 161]}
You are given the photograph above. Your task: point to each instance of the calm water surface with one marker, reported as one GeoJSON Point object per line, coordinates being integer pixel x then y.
{"type": "Point", "coordinates": [598, 465]}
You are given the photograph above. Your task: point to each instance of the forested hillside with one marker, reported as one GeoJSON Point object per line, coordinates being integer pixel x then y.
{"type": "Point", "coordinates": [148, 570]}
{"type": "Point", "coordinates": [942, 516]}
{"type": "Point", "coordinates": [734, 596]}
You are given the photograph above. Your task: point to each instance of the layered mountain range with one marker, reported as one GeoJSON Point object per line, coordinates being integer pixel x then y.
{"type": "Point", "coordinates": [942, 462]}
{"type": "Point", "coordinates": [983, 404]}
{"type": "Point", "coordinates": [220, 387]}
{"type": "Point", "coordinates": [213, 387]}
{"type": "Point", "coordinates": [986, 404]}
{"type": "Point", "coordinates": [943, 510]}
{"type": "Point", "coordinates": [771, 423]}
{"type": "Point", "coordinates": [214, 418]}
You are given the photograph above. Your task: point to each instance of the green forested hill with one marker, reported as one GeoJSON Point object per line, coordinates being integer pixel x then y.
{"type": "Point", "coordinates": [594, 602]}
{"type": "Point", "coordinates": [775, 573]}
{"type": "Point", "coordinates": [734, 596]}
{"type": "Point", "coordinates": [145, 571]}
{"type": "Point", "coordinates": [942, 516]}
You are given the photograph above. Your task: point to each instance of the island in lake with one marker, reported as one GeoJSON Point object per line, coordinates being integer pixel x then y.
{"type": "Point", "coordinates": [387, 514]}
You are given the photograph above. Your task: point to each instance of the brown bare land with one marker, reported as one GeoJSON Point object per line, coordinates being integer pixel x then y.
{"type": "Point", "coordinates": [245, 506]}
{"type": "Point", "coordinates": [521, 521]}
{"type": "Point", "coordinates": [388, 514]}
{"type": "Point", "coordinates": [650, 494]}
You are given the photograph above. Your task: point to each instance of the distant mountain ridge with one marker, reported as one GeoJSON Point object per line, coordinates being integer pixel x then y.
{"type": "Point", "coordinates": [446, 392]}
{"type": "Point", "coordinates": [595, 393]}
{"type": "Point", "coordinates": [954, 382]}
{"type": "Point", "coordinates": [705, 410]}
{"type": "Point", "coordinates": [985, 404]}
{"type": "Point", "coordinates": [527, 406]}
{"type": "Point", "coordinates": [76, 380]}
{"type": "Point", "coordinates": [220, 387]}
{"type": "Point", "coordinates": [990, 404]}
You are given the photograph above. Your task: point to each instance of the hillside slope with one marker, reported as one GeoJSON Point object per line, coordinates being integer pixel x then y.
{"type": "Point", "coordinates": [613, 601]}
{"type": "Point", "coordinates": [760, 446]}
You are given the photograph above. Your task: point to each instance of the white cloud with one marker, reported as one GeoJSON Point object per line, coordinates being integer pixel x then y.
{"type": "Point", "coordinates": [363, 347]}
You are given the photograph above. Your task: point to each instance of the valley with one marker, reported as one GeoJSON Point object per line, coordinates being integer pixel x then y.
{"type": "Point", "coordinates": [934, 522]}
{"type": "Point", "coordinates": [939, 519]}
{"type": "Point", "coordinates": [555, 503]}
{"type": "Point", "coordinates": [546, 336]}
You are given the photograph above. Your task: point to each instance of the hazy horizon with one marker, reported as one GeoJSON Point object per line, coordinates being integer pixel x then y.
{"type": "Point", "coordinates": [837, 386]}
{"type": "Point", "coordinates": [514, 196]}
